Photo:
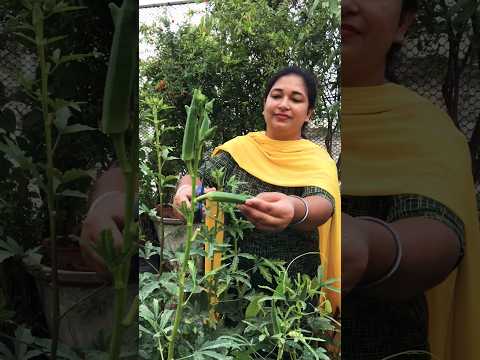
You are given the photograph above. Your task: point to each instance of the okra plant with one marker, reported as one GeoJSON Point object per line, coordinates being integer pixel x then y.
{"type": "Point", "coordinates": [120, 123]}
{"type": "Point", "coordinates": [56, 112]}
{"type": "Point", "coordinates": [153, 107]}
{"type": "Point", "coordinates": [197, 131]}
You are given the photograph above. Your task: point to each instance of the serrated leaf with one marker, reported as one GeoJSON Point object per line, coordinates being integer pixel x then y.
{"type": "Point", "coordinates": [265, 273]}
{"type": "Point", "coordinates": [165, 318]}
{"type": "Point", "coordinates": [148, 288]}
{"type": "Point", "coordinates": [254, 307]}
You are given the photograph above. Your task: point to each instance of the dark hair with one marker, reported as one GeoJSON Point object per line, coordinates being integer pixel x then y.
{"type": "Point", "coordinates": [408, 6]}
{"type": "Point", "coordinates": [308, 79]}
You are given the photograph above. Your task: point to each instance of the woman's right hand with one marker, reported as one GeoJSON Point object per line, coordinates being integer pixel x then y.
{"type": "Point", "coordinates": [183, 195]}
{"type": "Point", "coordinates": [107, 213]}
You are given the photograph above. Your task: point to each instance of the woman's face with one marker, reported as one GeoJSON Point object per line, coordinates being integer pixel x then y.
{"type": "Point", "coordinates": [369, 28]}
{"type": "Point", "coordinates": [286, 108]}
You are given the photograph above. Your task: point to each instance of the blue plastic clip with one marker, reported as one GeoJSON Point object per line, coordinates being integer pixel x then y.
{"type": "Point", "coordinates": [198, 216]}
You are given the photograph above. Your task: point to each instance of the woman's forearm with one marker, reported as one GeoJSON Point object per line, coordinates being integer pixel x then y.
{"type": "Point", "coordinates": [319, 211]}
{"type": "Point", "coordinates": [430, 250]}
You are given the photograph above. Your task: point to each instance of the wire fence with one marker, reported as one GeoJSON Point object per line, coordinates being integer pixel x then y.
{"type": "Point", "coordinates": [16, 62]}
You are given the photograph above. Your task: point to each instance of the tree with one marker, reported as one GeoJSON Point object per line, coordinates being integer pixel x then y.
{"type": "Point", "coordinates": [232, 53]}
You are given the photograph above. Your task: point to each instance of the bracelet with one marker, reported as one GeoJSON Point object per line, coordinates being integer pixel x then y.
{"type": "Point", "coordinates": [306, 211]}
{"type": "Point", "coordinates": [398, 256]}
{"type": "Point", "coordinates": [100, 198]}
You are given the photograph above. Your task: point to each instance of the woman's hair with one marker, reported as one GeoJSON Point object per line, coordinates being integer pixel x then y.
{"type": "Point", "coordinates": [308, 79]}
{"type": "Point", "coordinates": [408, 6]}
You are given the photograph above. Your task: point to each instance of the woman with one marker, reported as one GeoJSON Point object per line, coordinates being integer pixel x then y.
{"type": "Point", "coordinates": [293, 181]}
{"type": "Point", "coordinates": [409, 218]}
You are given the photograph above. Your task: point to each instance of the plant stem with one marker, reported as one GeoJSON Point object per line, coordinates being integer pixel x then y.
{"type": "Point", "coordinates": [38, 20]}
{"type": "Point", "coordinates": [160, 187]}
{"type": "Point", "coordinates": [122, 275]}
{"type": "Point", "coordinates": [280, 353]}
{"type": "Point", "coordinates": [183, 270]}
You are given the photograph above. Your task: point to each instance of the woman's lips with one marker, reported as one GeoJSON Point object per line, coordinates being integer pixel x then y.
{"type": "Point", "coordinates": [281, 116]}
{"type": "Point", "coordinates": [348, 30]}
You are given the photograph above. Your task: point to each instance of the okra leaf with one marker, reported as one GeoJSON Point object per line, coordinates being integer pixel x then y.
{"type": "Point", "coordinates": [265, 273]}
{"type": "Point", "coordinates": [74, 57]}
{"type": "Point", "coordinates": [17, 156]}
{"type": "Point", "coordinates": [25, 37]}
{"type": "Point", "coordinates": [165, 318]}
{"type": "Point", "coordinates": [27, 4]}
{"type": "Point", "coordinates": [61, 118]}
{"type": "Point", "coordinates": [54, 39]}
{"type": "Point", "coordinates": [75, 174]}
{"type": "Point", "coordinates": [60, 103]}
{"type": "Point", "coordinates": [62, 7]}
{"type": "Point", "coordinates": [254, 307]}
{"type": "Point", "coordinates": [56, 55]}
{"type": "Point", "coordinates": [72, 193]}
{"type": "Point", "coordinates": [75, 128]}
{"type": "Point", "coordinates": [9, 248]}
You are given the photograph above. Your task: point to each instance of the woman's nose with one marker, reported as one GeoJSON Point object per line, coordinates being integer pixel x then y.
{"type": "Point", "coordinates": [349, 7]}
{"type": "Point", "coordinates": [284, 103]}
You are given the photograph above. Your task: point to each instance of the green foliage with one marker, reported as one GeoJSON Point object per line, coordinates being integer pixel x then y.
{"type": "Point", "coordinates": [249, 323]}
{"type": "Point", "coordinates": [232, 53]}
{"type": "Point", "coordinates": [11, 248]}
{"type": "Point", "coordinates": [155, 155]}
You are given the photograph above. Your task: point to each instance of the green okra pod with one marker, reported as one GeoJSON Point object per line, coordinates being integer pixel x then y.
{"type": "Point", "coordinates": [122, 69]}
{"type": "Point", "coordinates": [190, 137]}
{"type": "Point", "coordinates": [221, 196]}
{"type": "Point", "coordinates": [204, 127]}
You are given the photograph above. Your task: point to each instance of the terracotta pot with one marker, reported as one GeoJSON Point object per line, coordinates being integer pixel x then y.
{"type": "Point", "coordinates": [169, 214]}
{"type": "Point", "coordinates": [69, 256]}
{"type": "Point", "coordinates": [86, 301]}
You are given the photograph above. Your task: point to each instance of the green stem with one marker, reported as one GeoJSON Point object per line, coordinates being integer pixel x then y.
{"type": "Point", "coordinates": [183, 270]}
{"type": "Point", "coordinates": [160, 188]}
{"type": "Point", "coordinates": [280, 353]}
{"type": "Point", "coordinates": [47, 122]}
{"type": "Point", "coordinates": [121, 277]}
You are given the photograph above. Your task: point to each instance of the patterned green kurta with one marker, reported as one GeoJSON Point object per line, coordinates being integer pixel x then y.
{"type": "Point", "coordinates": [284, 245]}
{"type": "Point", "coordinates": [374, 329]}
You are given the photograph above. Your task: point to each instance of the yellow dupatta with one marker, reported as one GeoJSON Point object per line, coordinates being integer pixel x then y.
{"type": "Point", "coordinates": [296, 163]}
{"type": "Point", "coordinates": [396, 142]}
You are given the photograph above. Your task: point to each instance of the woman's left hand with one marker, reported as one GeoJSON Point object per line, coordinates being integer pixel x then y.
{"type": "Point", "coordinates": [269, 211]}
